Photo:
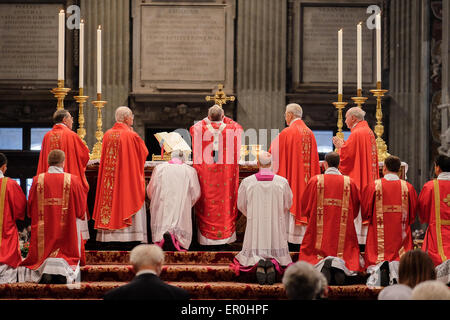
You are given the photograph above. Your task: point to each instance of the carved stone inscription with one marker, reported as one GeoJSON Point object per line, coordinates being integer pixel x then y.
{"type": "Point", "coordinates": [183, 43]}
{"type": "Point", "coordinates": [319, 47]}
{"type": "Point", "coordinates": [29, 41]}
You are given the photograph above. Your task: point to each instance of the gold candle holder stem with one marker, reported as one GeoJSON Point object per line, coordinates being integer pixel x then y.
{"type": "Point", "coordinates": [97, 150]}
{"type": "Point", "coordinates": [340, 105]}
{"type": "Point", "coordinates": [81, 100]}
{"type": "Point", "coordinates": [60, 93]}
{"type": "Point", "coordinates": [379, 128]}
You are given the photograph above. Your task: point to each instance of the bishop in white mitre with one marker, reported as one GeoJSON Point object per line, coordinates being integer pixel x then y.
{"type": "Point", "coordinates": [173, 190]}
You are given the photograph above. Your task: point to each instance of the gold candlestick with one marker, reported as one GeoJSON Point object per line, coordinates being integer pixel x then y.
{"type": "Point", "coordinates": [81, 100]}
{"type": "Point", "coordinates": [359, 99]}
{"type": "Point", "coordinates": [340, 123]}
{"type": "Point", "coordinates": [97, 150]}
{"type": "Point", "coordinates": [60, 93]}
{"type": "Point", "coordinates": [379, 128]}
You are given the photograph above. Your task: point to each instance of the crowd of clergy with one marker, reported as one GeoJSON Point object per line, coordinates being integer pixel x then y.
{"type": "Point", "coordinates": [330, 209]}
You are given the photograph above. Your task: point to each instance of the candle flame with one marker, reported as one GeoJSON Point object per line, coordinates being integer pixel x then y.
{"type": "Point", "coordinates": [82, 21]}
{"type": "Point", "coordinates": [61, 11]}
{"type": "Point", "coordinates": [99, 27]}
{"type": "Point", "coordinates": [360, 23]}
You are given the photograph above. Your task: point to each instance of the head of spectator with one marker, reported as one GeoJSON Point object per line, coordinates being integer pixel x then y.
{"type": "Point", "coordinates": [147, 257]}
{"type": "Point", "coordinates": [56, 158]}
{"type": "Point", "coordinates": [415, 267]}
{"type": "Point", "coordinates": [332, 160]}
{"type": "Point", "coordinates": [293, 111]}
{"type": "Point", "coordinates": [431, 290]}
{"type": "Point", "coordinates": [124, 115]}
{"type": "Point", "coordinates": [392, 165]}
{"type": "Point", "coordinates": [63, 116]}
{"type": "Point", "coordinates": [3, 163]}
{"type": "Point", "coordinates": [395, 292]}
{"type": "Point", "coordinates": [303, 282]}
{"type": "Point", "coordinates": [353, 116]}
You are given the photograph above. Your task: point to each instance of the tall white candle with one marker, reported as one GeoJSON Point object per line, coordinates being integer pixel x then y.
{"type": "Point", "coordinates": [359, 56]}
{"type": "Point", "coordinates": [378, 28]}
{"type": "Point", "coordinates": [81, 62]}
{"type": "Point", "coordinates": [340, 61]}
{"type": "Point", "coordinates": [99, 59]}
{"type": "Point", "coordinates": [61, 45]}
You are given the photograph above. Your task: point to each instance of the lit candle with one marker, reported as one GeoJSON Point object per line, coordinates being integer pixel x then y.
{"type": "Point", "coordinates": [340, 61]}
{"type": "Point", "coordinates": [61, 45]}
{"type": "Point", "coordinates": [378, 27]}
{"type": "Point", "coordinates": [359, 57]}
{"type": "Point", "coordinates": [81, 63]}
{"type": "Point", "coordinates": [99, 59]}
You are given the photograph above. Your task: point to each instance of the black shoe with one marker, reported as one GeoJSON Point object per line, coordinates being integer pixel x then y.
{"type": "Point", "coordinates": [270, 272]}
{"type": "Point", "coordinates": [384, 274]}
{"type": "Point", "coordinates": [261, 272]}
{"type": "Point", "coordinates": [326, 270]}
{"type": "Point", "coordinates": [46, 279]}
{"type": "Point", "coordinates": [168, 243]}
{"type": "Point", "coordinates": [339, 277]}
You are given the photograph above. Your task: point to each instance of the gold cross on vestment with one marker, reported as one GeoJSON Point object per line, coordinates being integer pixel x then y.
{"type": "Point", "coordinates": [220, 97]}
{"type": "Point", "coordinates": [447, 200]}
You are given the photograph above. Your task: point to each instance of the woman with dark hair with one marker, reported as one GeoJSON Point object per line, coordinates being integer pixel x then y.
{"type": "Point", "coordinates": [415, 266]}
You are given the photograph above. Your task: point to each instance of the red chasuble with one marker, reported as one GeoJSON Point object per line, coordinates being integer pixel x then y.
{"type": "Point", "coordinates": [218, 176]}
{"type": "Point", "coordinates": [77, 154]}
{"type": "Point", "coordinates": [359, 156]}
{"type": "Point", "coordinates": [54, 203]}
{"type": "Point", "coordinates": [121, 181]}
{"type": "Point", "coordinates": [12, 207]}
{"type": "Point", "coordinates": [294, 154]}
{"type": "Point", "coordinates": [330, 203]}
{"type": "Point", "coordinates": [389, 208]}
{"type": "Point", "coordinates": [437, 237]}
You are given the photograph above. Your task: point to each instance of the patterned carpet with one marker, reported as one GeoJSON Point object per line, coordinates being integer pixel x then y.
{"type": "Point", "coordinates": [206, 275]}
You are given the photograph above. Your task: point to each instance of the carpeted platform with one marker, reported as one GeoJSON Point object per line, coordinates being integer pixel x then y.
{"type": "Point", "coordinates": [206, 275]}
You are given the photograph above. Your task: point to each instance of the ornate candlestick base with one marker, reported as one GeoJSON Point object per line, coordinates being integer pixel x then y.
{"type": "Point", "coordinates": [60, 93]}
{"type": "Point", "coordinates": [81, 100]}
{"type": "Point", "coordinates": [359, 101]}
{"type": "Point", "coordinates": [379, 128]}
{"type": "Point", "coordinates": [97, 150]}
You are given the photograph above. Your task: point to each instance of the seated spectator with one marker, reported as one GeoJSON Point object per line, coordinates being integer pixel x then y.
{"type": "Point", "coordinates": [415, 266]}
{"type": "Point", "coordinates": [264, 198]}
{"type": "Point", "coordinates": [303, 282]}
{"type": "Point", "coordinates": [173, 190]}
{"type": "Point", "coordinates": [147, 261]}
{"type": "Point", "coordinates": [395, 292]}
{"type": "Point", "coordinates": [431, 290]}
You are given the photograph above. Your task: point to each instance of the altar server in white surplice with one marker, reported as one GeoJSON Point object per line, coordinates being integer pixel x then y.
{"type": "Point", "coordinates": [265, 199]}
{"type": "Point", "coordinates": [173, 190]}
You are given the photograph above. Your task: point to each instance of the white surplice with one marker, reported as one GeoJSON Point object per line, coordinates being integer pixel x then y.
{"type": "Point", "coordinates": [173, 190]}
{"type": "Point", "coordinates": [265, 204]}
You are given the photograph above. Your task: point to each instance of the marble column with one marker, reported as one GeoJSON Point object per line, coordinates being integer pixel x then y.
{"type": "Point", "coordinates": [114, 17]}
{"type": "Point", "coordinates": [445, 100]}
{"type": "Point", "coordinates": [261, 64]}
{"type": "Point", "coordinates": [409, 87]}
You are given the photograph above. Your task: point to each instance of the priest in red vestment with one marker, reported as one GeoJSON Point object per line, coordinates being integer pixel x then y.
{"type": "Point", "coordinates": [55, 201]}
{"type": "Point", "coordinates": [359, 157]}
{"type": "Point", "coordinates": [12, 207]}
{"type": "Point", "coordinates": [330, 203]}
{"type": "Point", "coordinates": [77, 154]}
{"type": "Point", "coordinates": [119, 210]}
{"type": "Point", "coordinates": [388, 206]}
{"type": "Point", "coordinates": [216, 144]}
{"type": "Point", "coordinates": [434, 209]}
{"type": "Point", "coordinates": [295, 158]}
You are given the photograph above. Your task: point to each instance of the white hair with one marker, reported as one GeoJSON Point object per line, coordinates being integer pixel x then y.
{"type": "Point", "coordinates": [177, 154]}
{"type": "Point", "coordinates": [295, 109]}
{"type": "Point", "coordinates": [303, 282]}
{"type": "Point", "coordinates": [215, 113]}
{"type": "Point", "coordinates": [395, 292]}
{"type": "Point", "coordinates": [265, 158]}
{"type": "Point", "coordinates": [357, 112]}
{"type": "Point", "coordinates": [122, 113]}
{"type": "Point", "coordinates": [431, 290]}
{"type": "Point", "coordinates": [146, 255]}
